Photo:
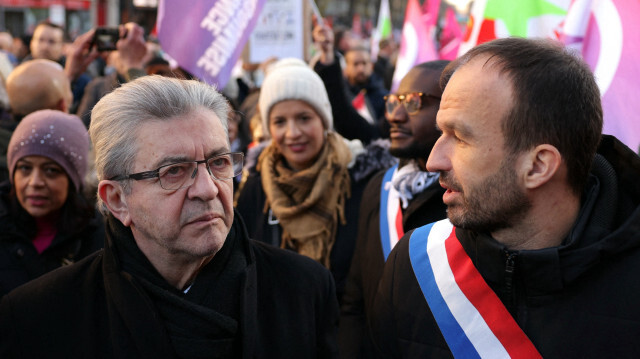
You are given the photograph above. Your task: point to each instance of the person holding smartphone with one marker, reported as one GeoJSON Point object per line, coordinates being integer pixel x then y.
{"type": "Point", "coordinates": [127, 58]}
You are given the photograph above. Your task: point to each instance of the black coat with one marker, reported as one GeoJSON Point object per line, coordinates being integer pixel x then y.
{"type": "Point", "coordinates": [95, 90]}
{"type": "Point", "coordinates": [5, 138]}
{"type": "Point", "coordinates": [93, 309]}
{"type": "Point", "coordinates": [368, 260]}
{"type": "Point", "coordinates": [19, 260]}
{"type": "Point", "coordinates": [577, 300]}
{"type": "Point", "coordinates": [374, 92]}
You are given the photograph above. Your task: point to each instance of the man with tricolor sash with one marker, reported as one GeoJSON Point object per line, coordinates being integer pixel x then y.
{"type": "Point", "coordinates": [540, 254]}
{"type": "Point", "coordinates": [395, 200]}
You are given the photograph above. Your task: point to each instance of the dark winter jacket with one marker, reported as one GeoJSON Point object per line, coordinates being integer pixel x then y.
{"type": "Point", "coordinates": [5, 138]}
{"type": "Point", "coordinates": [374, 91]}
{"type": "Point", "coordinates": [384, 69]}
{"type": "Point", "coordinates": [19, 260]}
{"type": "Point", "coordinates": [576, 300]}
{"type": "Point", "coordinates": [286, 307]}
{"type": "Point", "coordinates": [95, 90]}
{"type": "Point", "coordinates": [101, 86]}
{"type": "Point", "coordinates": [368, 261]}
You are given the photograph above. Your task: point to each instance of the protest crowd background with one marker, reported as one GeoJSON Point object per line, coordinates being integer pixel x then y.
{"type": "Point", "coordinates": [352, 72]}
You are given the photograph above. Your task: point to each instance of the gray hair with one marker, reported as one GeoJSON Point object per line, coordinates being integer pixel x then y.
{"type": "Point", "coordinates": [117, 117]}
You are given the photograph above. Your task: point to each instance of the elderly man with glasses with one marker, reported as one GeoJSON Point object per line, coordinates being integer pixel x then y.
{"type": "Point", "coordinates": [396, 200]}
{"type": "Point", "coordinates": [178, 277]}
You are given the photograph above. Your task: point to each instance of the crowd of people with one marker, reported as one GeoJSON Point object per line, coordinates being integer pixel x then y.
{"type": "Point", "coordinates": [305, 210]}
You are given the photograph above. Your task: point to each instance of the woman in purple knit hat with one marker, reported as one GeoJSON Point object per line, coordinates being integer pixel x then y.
{"type": "Point", "coordinates": [45, 222]}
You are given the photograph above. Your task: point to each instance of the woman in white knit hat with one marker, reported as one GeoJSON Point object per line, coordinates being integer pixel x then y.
{"type": "Point", "coordinates": [305, 194]}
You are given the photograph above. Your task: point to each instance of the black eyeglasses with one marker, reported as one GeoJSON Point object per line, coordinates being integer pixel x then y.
{"type": "Point", "coordinates": [412, 102]}
{"type": "Point", "coordinates": [183, 174]}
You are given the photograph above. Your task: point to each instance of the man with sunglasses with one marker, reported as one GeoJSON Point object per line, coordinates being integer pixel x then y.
{"type": "Point", "coordinates": [178, 277]}
{"type": "Point", "coordinates": [396, 200]}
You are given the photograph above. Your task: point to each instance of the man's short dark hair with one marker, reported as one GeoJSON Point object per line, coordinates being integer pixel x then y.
{"type": "Point", "coordinates": [436, 65]}
{"type": "Point", "coordinates": [156, 60]}
{"type": "Point", "coordinates": [556, 100]}
{"type": "Point", "coordinates": [47, 23]}
{"type": "Point", "coordinates": [358, 48]}
{"type": "Point", "coordinates": [384, 43]}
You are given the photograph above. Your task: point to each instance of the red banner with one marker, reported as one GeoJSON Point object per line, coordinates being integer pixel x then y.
{"type": "Point", "coordinates": [68, 4]}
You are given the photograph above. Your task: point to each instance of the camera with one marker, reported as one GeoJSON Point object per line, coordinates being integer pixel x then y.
{"type": "Point", "coordinates": [105, 38]}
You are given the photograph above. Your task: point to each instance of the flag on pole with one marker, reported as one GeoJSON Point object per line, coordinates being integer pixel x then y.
{"type": "Point", "coordinates": [316, 11]}
{"type": "Point", "coordinates": [430, 12]}
{"type": "Point", "coordinates": [206, 37]}
{"type": "Point", "coordinates": [417, 43]}
{"type": "Point", "coordinates": [492, 19]}
{"type": "Point", "coordinates": [383, 28]}
{"type": "Point", "coordinates": [607, 34]}
{"type": "Point", "coordinates": [451, 36]}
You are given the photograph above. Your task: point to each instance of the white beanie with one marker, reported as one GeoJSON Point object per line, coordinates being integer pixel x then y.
{"type": "Point", "coordinates": [292, 79]}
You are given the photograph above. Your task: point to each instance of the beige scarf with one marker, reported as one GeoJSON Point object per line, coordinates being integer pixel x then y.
{"type": "Point", "coordinates": [308, 203]}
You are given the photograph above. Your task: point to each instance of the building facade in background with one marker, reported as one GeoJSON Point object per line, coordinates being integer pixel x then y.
{"type": "Point", "coordinates": [20, 17]}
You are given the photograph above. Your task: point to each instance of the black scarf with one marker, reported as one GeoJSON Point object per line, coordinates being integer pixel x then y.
{"type": "Point", "coordinates": [203, 323]}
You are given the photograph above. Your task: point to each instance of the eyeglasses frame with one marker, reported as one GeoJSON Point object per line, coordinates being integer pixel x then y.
{"type": "Point", "coordinates": [156, 173]}
{"type": "Point", "coordinates": [402, 100]}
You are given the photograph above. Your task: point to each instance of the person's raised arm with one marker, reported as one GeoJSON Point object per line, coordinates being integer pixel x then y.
{"type": "Point", "coordinates": [346, 120]}
{"type": "Point", "coordinates": [80, 55]}
{"type": "Point", "coordinates": [324, 39]}
{"type": "Point", "coordinates": [132, 50]}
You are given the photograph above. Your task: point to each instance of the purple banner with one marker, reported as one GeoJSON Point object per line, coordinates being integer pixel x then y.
{"type": "Point", "coordinates": [608, 35]}
{"type": "Point", "coordinates": [206, 37]}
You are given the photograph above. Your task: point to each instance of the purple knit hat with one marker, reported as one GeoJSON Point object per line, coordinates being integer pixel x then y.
{"type": "Point", "coordinates": [55, 135]}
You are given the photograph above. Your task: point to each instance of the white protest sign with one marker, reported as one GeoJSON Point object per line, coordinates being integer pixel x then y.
{"type": "Point", "coordinates": [279, 31]}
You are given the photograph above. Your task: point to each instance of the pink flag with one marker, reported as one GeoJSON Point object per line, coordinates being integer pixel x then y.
{"type": "Point", "coordinates": [417, 43]}
{"type": "Point", "coordinates": [608, 35]}
{"type": "Point", "coordinates": [493, 19]}
{"type": "Point", "coordinates": [451, 37]}
{"type": "Point", "coordinates": [430, 10]}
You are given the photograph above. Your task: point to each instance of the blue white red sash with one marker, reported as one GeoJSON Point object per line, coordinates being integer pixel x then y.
{"type": "Point", "coordinates": [391, 229]}
{"type": "Point", "coordinates": [471, 317]}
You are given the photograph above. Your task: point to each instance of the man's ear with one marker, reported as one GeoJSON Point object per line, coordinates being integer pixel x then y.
{"type": "Point", "coordinates": [112, 195]}
{"type": "Point", "coordinates": [61, 105]}
{"type": "Point", "coordinates": [541, 164]}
